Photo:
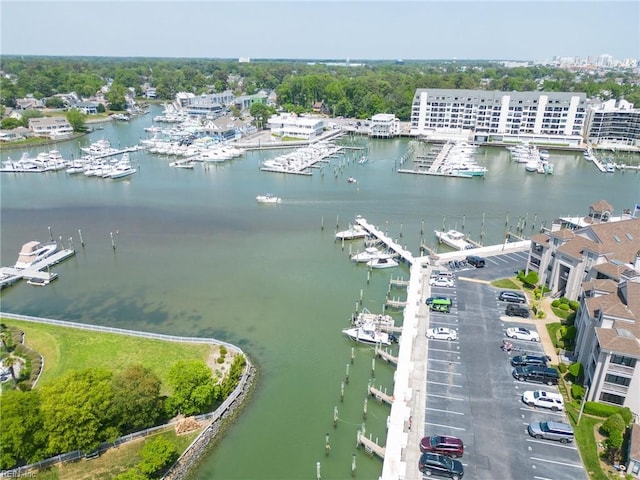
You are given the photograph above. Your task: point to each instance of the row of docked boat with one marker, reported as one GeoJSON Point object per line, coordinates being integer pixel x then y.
{"type": "Point", "coordinates": [371, 329]}
{"type": "Point", "coordinates": [44, 162]}
{"type": "Point", "coordinates": [302, 159]}
{"type": "Point", "coordinates": [201, 150]}
{"type": "Point", "coordinates": [534, 159]}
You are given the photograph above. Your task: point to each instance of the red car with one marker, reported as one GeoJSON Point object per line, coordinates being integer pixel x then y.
{"type": "Point", "coordinates": [450, 446]}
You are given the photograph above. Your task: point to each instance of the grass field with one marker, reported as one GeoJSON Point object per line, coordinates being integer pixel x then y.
{"type": "Point", "coordinates": [67, 349]}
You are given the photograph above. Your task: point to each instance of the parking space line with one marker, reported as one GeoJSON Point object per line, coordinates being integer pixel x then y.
{"type": "Point", "coordinates": [445, 384]}
{"type": "Point", "coordinates": [444, 426]}
{"type": "Point", "coordinates": [440, 350]}
{"type": "Point", "coordinates": [459, 399]}
{"type": "Point", "coordinates": [443, 371]}
{"type": "Point", "coordinates": [443, 361]}
{"type": "Point", "coordinates": [533, 440]}
{"type": "Point", "coordinates": [556, 462]}
{"type": "Point", "coordinates": [547, 411]}
{"type": "Point", "coordinates": [542, 478]}
{"type": "Point", "coordinates": [444, 411]}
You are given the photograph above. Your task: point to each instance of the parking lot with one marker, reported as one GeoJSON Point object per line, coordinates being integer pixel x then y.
{"type": "Point", "coordinates": [471, 394]}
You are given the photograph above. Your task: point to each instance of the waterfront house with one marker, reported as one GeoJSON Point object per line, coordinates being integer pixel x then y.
{"type": "Point", "coordinates": [290, 125]}
{"type": "Point", "coordinates": [549, 117]}
{"type": "Point", "coordinates": [52, 127]}
{"type": "Point", "coordinates": [244, 102]}
{"type": "Point", "coordinates": [88, 108]}
{"type": "Point", "coordinates": [384, 125]}
{"type": "Point", "coordinates": [320, 107]}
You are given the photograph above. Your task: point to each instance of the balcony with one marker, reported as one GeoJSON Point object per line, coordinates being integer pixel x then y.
{"type": "Point", "coordinates": [621, 369]}
{"type": "Point", "coordinates": [614, 388]}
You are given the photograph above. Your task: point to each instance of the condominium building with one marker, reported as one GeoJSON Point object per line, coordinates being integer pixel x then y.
{"type": "Point", "coordinates": [596, 246]}
{"type": "Point", "coordinates": [52, 127]}
{"type": "Point", "coordinates": [614, 123]}
{"type": "Point", "coordinates": [552, 117]}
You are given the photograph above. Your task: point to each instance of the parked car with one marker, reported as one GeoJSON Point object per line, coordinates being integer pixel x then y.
{"type": "Point", "coordinates": [442, 333]}
{"type": "Point", "coordinates": [441, 282]}
{"type": "Point", "coordinates": [440, 465]}
{"type": "Point", "coordinates": [526, 360]}
{"type": "Point", "coordinates": [443, 444]}
{"type": "Point", "coordinates": [544, 399]}
{"type": "Point", "coordinates": [476, 261]}
{"type": "Point", "coordinates": [518, 310]}
{"type": "Point", "coordinates": [512, 296]}
{"type": "Point", "coordinates": [536, 373]}
{"type": "Point", "coordinates": [430, 300]}
{"type": "Point", "coordinates": [521, 333]}
{"type": "Point", "coordinates": [559, 431]}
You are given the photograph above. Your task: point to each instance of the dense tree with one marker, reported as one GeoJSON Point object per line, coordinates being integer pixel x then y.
{"type": "Point", "coordinates": [116, 97]}
{"type": "Point", "coordinates": [77, 120]}
{"type": "Point", "coordinates": [29, 114]}
{"type": "Point", "coordinates": [261, 113]}
{"type": "Point", "coordinates": [78, 411]}
{"type": "Point", "coordinates": [193, 387]}
{"type": "Point", "coordinates": [157, 455]}
{"type": "Point", "coordinates": [22, 435]}
{"type": "Point", "coordinates": [136, 398]}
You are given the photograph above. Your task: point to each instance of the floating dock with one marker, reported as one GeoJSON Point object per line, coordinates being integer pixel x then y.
{"type": "Point", "coordinates": [10, 275]}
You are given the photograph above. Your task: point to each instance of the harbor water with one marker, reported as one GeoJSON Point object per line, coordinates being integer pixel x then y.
{"type": "Point", "coordinates": [191, 252]}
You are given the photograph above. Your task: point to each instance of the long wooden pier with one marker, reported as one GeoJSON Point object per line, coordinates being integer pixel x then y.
{"type": "Point", "coordinates": [380, 395]}
{"type": "Point", "coordinates": [392, 245]}
{"type": "Point", "coordinates": [370, 446]}
{"type": "Point", "coordinates": [386, 356]}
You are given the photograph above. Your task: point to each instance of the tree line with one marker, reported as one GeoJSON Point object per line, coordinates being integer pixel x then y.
{"type": "Point", "coordinates": [353, 91]}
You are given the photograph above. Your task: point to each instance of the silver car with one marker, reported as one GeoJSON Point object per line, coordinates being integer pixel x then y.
{"type": "Point", "coordinates": [561, 432]}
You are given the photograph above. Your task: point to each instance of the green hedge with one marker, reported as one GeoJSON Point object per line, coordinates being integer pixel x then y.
{"type": "Point", "coordinates": [577, 391]}
{"type": "Point", "coordinates": [605, 411]}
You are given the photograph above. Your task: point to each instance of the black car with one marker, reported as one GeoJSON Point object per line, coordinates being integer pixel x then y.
{"type": "Point", "coordinates": [441, 465]}
{"type": "Point", "coordinates": [475, 261]}
{"type": "Point", "coordinates": [518, 310]}
{"type": "Point", "coordinates": [538, 374]}
{"type": "Point", "coordinates": [512, 296]}
{"type": "Point", "coordinates": [529, 360]}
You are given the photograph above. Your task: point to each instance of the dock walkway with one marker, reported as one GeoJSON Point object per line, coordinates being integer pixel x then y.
{"type": "Point", "coordinates": [10, 275]}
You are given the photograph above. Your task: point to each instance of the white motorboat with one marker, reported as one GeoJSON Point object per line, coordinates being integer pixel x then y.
{"type": "Point", "coordinates": [34, 251]}
{"type": "Point", "coordinates": [378, 320]}
{"type": "Point", "coordinates": [353, 232]}
{"type": "Point", "coordinates": [369, 334]}
{"type": "Point", "coordinates": [454, 239]}
{"type": "Point", "coordinates": [369, 254]}
{"type": "Point", "coordinates": [183, 164]}
{"type": "Point", "coordinates": [352, 180]}
{"type": "Point", "coordinates": [532, 166]}
{"type": "Point", "coordinates": [268, 198]}
{"type": "Point", "coordinates": [382, 263]}
{"type": "Point", "coordinates": [610, 167]}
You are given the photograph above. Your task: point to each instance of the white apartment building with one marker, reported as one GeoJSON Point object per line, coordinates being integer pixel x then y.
{"type": "Point", "coordinates": [288, 125]}
{"type": "Point", "coordinates": [550, 117]}
{"type": "Point", "coordinates": [384, 125]}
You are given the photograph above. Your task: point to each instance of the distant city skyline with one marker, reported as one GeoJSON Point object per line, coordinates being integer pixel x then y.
{"type": "Point", "coordinates": [301, 29]}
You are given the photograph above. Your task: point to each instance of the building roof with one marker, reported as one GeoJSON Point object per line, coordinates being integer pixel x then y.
{"type": "Point", "coordinates": [609, 269]}
{"type": "Point", "coordinates": [611, 340]}
{"type": "Point", "coordinates": [563, 234]}
{"type": "Point", "coordinates": [601, 206]}
{"type": "Point", "coordinates": [601, 286]}
{"type": "Point", "coordinates": [541, 239]}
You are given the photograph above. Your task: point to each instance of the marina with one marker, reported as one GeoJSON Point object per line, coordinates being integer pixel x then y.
{"type": "Point", "coordinates": [203, 221]}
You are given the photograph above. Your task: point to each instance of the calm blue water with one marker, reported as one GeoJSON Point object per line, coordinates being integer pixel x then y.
{"type": "Point", "coordinates": [195, 255]}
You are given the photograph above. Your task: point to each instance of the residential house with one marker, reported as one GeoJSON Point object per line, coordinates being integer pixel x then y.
{"type": "Point", "coordinates": [28, 103]}
{"type": "Point", "coordinates": [321, 108]}
{"type": "Point", "coordinates": [52, 127]}
{"type": "Point", "coordinates": [88, 108]}
{"type": "Point", "coordinates": [244, 102]}
{"type": "Point", "coordinates": [575, 250]}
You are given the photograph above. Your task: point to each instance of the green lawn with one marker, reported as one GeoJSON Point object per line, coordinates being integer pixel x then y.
{"type": "Point", "coordinates": [586, 442]}
{"type": "Point", "coordinates": [65, 349]}
{"type": "Point", "coordinates": [506, 283]}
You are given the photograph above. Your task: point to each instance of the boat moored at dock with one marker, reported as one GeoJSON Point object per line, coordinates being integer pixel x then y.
{"type": "Point", "coordinates": [34, 251]}
{"type": "Point", "coordinates": [454, 239]}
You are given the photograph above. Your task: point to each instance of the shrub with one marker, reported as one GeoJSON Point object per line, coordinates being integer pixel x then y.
{"type": "Point", "coordinates": [574, 305]}
{"type": "Point", "coordinates": [614, 423]}
{"type": "Point", "coordinates": [220, 360]}
{"type": "Point", "coordinates": [541, 314]}
{"type": "Point", "coordinates": [555, 303]}
{"type": "Point", "coordinates": [223, 350]}
{"type": "Point", "coordinates": [562, 367]}
{"type": "Point", "coordinates": [564, 306]}
{"type": "Point", "coordinates": [571, 319]}
{"type": "Point", "coordinates": [576, 370]}
{"type": "Point", "coordinates": [577, 391]}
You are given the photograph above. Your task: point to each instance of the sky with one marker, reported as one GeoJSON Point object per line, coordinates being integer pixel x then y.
{"type": "Point", "coordinates": [330, 29]}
